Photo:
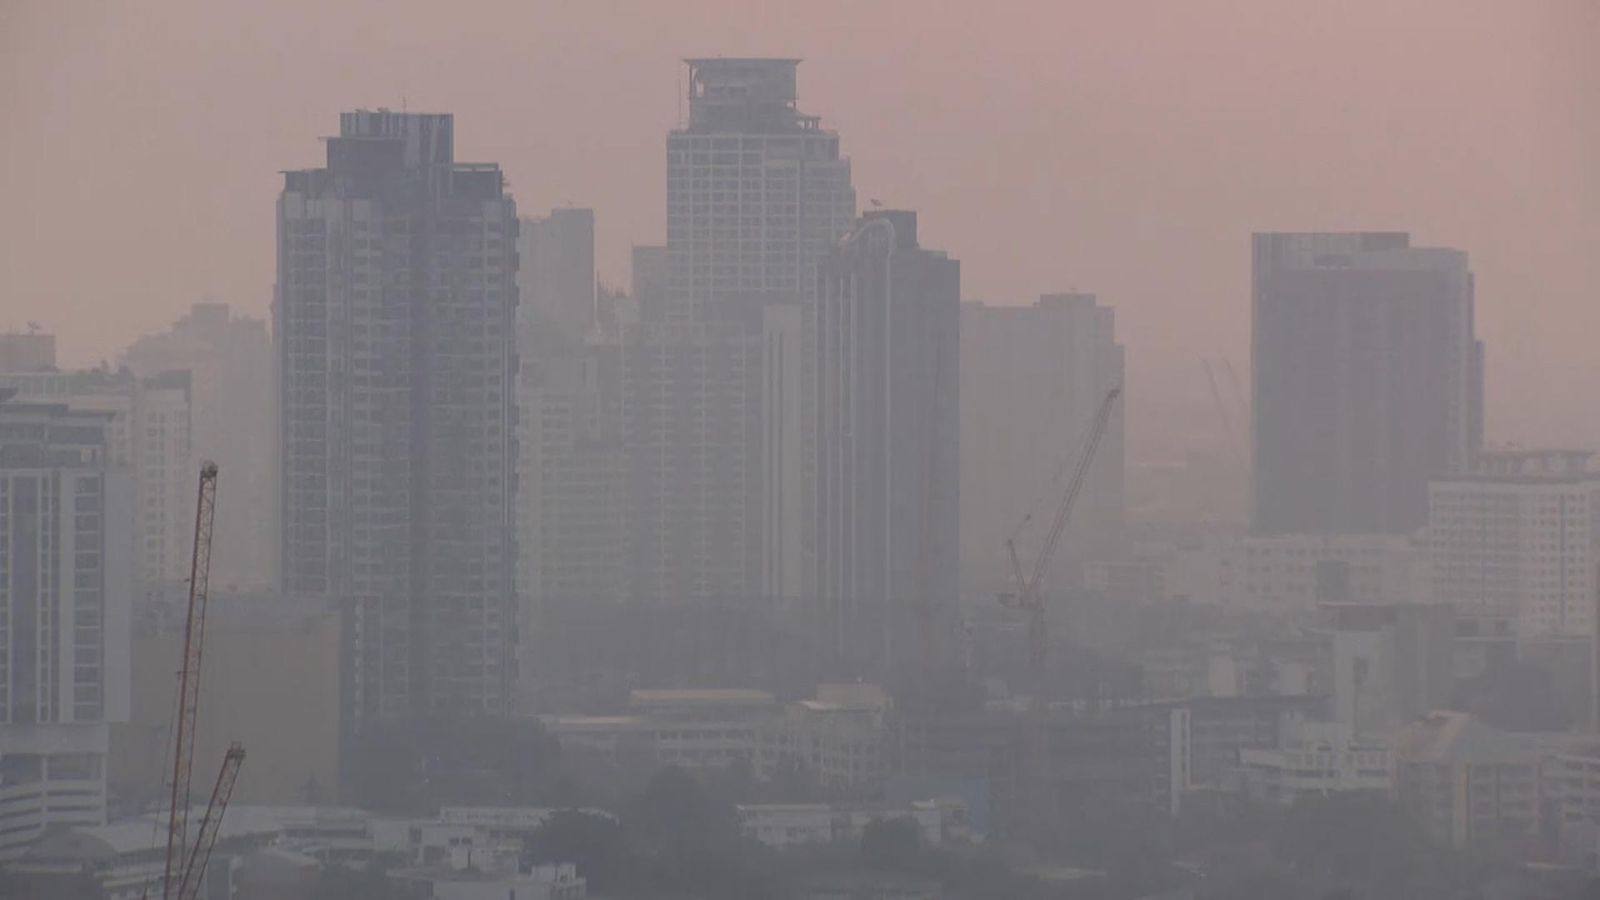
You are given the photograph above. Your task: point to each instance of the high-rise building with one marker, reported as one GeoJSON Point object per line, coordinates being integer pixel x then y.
{"type": "Point", "coordinates": [756, 193]}
{"type": "Point", "coordinates": [888, 318]}
{"type": "Point", "coordinates": [148, 435]}
{"type": "Point", "coordinates": [65, 561]}
{"type": "Point", "coordinates": [756, 190]}
{"type": "Point", "coordinates": [649, 265]}
{"type": "Point", "coordinates": [1032, 379]}
{"type": "Point", "coordinates": [555, 279]}
{"type": "Point", "coordinates": [229, 361]}
{"type": "Point", "coordinates": [395, 325]}
{"type": "Point", "coordinates": [1518, 537]}
{"type": "Point", "coordinates": [1368, 380]}
{"type": "Point", "coordinates": [570, 477]}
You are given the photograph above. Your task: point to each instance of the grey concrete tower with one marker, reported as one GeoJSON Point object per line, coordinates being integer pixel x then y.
{"type": "Point", "coordinates": [395, 331]}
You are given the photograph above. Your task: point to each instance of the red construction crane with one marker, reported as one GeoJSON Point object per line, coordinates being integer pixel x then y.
{"type": "Point", "coordinates": [194, 870]}
{"type": "Point", "coordinates": [189, 679]}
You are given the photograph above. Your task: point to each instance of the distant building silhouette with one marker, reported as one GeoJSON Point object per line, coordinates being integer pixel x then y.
{"type": "Point", "coordinates": [756, 193]}
{"type": "Point", "coordinates": [887, 507]}
{"type": "Point", "coordinates": [555, 278]}
{"type": "Point", "coordinates": [570, 477]}
{"type": "Point", "coordinates": [1032, 378]}
{"type": "Point", "coordinates": [395, 323]}
{"type": "Point", "coordinates": [231, 422]}
{"type": "Point", "coordinates": [1368, 380]}
{"type": "Point", "coordinates": [31, 351]}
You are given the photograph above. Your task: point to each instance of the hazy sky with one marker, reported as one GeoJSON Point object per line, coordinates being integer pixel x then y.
{"type": "Point", "coordinates": [1127, 149]}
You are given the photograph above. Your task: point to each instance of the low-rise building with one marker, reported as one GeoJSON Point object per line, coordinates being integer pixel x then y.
{"type": "Point", "coordinates": [1466, 783]}
{"type": "Point", "coordinates": [1571, 782]}
{"type": "Point", "coordinates": [1315, 759]}
{"type": "Point", "coordinates": [552, 882]}
{"type": "Point", "coordinates": [837, 738]}
{"type": "Point", "coordinates": [783, 825]}
{"type": "Point", "coordinates": [472, 851]}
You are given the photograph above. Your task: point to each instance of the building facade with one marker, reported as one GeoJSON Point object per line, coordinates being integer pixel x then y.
{"type": "Point", "coordinates": [1368, 380]}
{"type": "Point", "coordinates": [1032, 378]}
{"type": "Point", "coordinates": [148, 434]}
{"type": "Point", "coordinates": [756, 193]}
{"type": "Point", "coordinates": [394, 315]}
{"type": "Point", "coordinates": [1316, 759]}
{"type": "Point", "coordinates": [1519, 537]}
{"type": "Point", "coordinates": [571, 482]}
{"type": "Point", "coordinates": [65, 572]}
{"type": "Point", "coordinates": [887, 446]}
{"type": "Point", "coordinates": [555, 278]}
{"type": "Point", "coordinates": [1390, 663]}
{"type": "Point", "coordinates": [1466, 783]}
{"type": "Point", "coordinates": [229, 360]}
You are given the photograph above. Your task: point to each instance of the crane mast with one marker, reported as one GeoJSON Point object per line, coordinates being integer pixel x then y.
{"type": "Point", "coordinates": [1029, 599]}
{"type": "Point", "coordinates": [211, 824]}
{"type": "Point", "coordinates": [189, 678]}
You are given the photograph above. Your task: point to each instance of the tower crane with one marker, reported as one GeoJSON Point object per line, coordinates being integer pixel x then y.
{"type": "Point", "coordinates": [189, 676]}
{"type": "Point", "coordinates": [183, 871]}
{"type": "Point", "coordinates": [1229, 433]}
{"type": "Point", "coordinates": [1028, 598]}
{"type": "Point", "coordinates": [211, 824]}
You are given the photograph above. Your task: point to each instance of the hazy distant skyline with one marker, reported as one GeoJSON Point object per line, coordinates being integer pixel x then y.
{"type": "Point", "coordinates": [1124, 149]}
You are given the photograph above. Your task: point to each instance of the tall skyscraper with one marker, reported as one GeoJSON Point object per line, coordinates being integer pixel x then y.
{"type": "Point", "coordinates": [570, 477]}
{"type": "Point", "coordinates": [756, 190]}
{"type": "Point", "coordinates": [395, 324]}
{"type": "Point", "coordinates": [887, 343]}
{"type": "Point", "coordinates": [65, 572]}
{"type": "Point", "coordinates": [1368, 380]}
{"type": "Point", "coordinates": [1518, 538]}
{"type": "Point", "coordinates": [756, 193]}
{"type": "Point", "coordinates": [1032, 378]}
{"type": "Point", "coordinates": [229, 361]}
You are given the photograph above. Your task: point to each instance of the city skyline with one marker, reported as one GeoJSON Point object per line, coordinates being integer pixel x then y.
{"type": "Point", "coordinates": [946, 451]}
{"type": "Point", "coordinates": [1089, 187]}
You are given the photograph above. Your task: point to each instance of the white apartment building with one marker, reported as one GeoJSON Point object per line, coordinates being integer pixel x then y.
{"type": "Point", "coordinates": [1519, 537]}
{"type": "Point", "coordinates": [149, 435]}
{"type": "Point", "coordinates": [65, 613]}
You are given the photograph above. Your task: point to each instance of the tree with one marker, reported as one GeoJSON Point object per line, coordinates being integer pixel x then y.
{"type": "Point", "coordinates": [891, 845]}
{"type": "Point", "coordinates": [674, 807]}
{"type": "Point", "coordinates": [592, 841]}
